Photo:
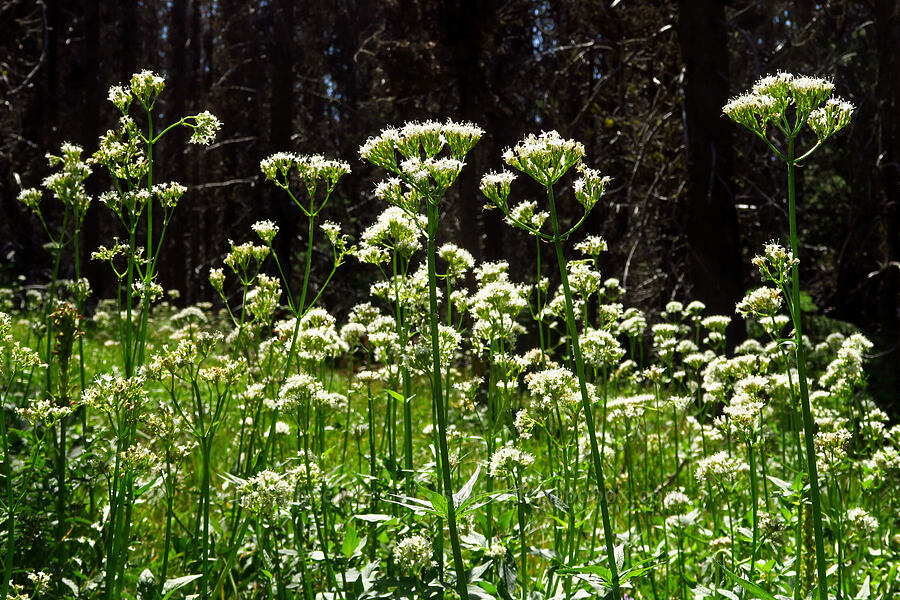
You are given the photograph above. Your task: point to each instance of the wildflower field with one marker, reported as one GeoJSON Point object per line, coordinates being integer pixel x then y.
{"type": "Point", "coordinates": [466, 432]}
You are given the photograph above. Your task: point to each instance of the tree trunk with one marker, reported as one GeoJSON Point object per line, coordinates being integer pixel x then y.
{"type": "Point", "coordinates": [281, 118]}
{"type": "Point", "coordinates": [887, 184]}
{"type": "Point", "coordinates": [708, 216]}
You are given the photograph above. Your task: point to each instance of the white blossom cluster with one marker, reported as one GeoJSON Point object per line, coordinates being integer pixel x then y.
{"type": "Point", "coordinates": [413, 553]}
{"type": "Point", "coordinates": [551, 388]}
{"type": "Point", "coordinates": [771, 96]}
{"type": "Point", "coordinates": [506, 460]}
{"type": "Point", "coordinates": [719, 466]}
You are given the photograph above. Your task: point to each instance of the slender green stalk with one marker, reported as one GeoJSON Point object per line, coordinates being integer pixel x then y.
{"type": "Point", "coordinates": [170, 497]}
{"type": "Point", "coordinates": [461, 584]}
{"type": "Point", "coordinates": [10, 510]}
{"type": "Point", "coordinates": [523, 547]}
{"type": "Point", "coordinates": [808, 428]}
{"type": "Point", "coordinates": [585, 399]}
{"type": "Point", "coordinates": [301, 304]}
{"type": "Point", "coordinates": [754, 506]}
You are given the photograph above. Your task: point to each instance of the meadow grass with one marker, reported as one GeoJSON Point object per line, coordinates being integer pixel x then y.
{"type": "Point", "coordinates": [465, 432]}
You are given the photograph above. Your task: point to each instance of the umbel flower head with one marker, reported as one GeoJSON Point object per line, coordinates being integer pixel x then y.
{"type": "Point", "coordinates": [508, 459]}
{"type": "Point", "coordinates": [544, 157]}
{"type": "Point", "coordinates": [418, 165]}
{"type": "Point", "coordinates": [772, 96]}
{"type": "Point", "coordinates": [719, 467]}
{"type": "Point", "coordinates": [413, 553]}
{"type": "Point", "coordinates": [309, 168]}
{"type": "Point", "coordinates": [776, 263]}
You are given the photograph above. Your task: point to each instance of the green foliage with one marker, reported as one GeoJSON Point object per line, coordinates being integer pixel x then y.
{"type": "Point", "coordinates": [425, 449]}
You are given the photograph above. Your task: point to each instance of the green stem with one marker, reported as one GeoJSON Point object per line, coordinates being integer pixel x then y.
{"type": "Point", "coordinates": [520, 509]}
{"type": "Point", "coordinates": [461, 585]}
{"type": "Point", "coordinates": [204, 500]}
{"type": "Point", "coordinates": [170, 497]}
{"type": "Point", "coordinates": [301, 305]}
{"type": "Point", "coordinates": [10, 513]}
{"type": "Point", "coordinates": [815, 499]}
{"type": "Point", "coordinates": [585, 400]}
{"type": "Point", "coordinates": [754, 501]}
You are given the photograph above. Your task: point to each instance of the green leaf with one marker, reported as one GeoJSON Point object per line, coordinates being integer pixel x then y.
{"type": "Point", "coordinates": [438, 502]}
{"type": "Point", "coordinates": [619, 552]}
{"type": "Point", "coordinates": [373, 518]}
{"type": "Point", "coordinates": [636, 572]}
{"type": "Point", "coordinates": [141, 490]}
{"type": "Point", "coordinates": [557, 502]}
{"type": "Point", "coordinates": [783, 485]}
{"type": "Point", "coordinates": [508, 575]}
{"type": "Point", "coordinates": [474, 575]}
{"type": "Point", "coordinates": [351, 542]}
{"type": "Point", "coordinates": [754, 590]}
{"type": "Point", "coordinates": [460, 497]}
{"type": "Point", "coordinates": [172, 585]}
{"type": "Point", "coordinates": [598, 570]}
{"type": "Point", "coordinates": [396, 396]}
{"type": "Point", "coordinates": [866, 590]}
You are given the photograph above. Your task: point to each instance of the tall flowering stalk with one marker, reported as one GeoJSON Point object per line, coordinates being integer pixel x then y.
{"type": "Point", "coordinates": [423, 176]}
{"type": "Point", "coordinates": [127, 154]}
{"type": "Point", "coordinates": [67, 185]}
{"type": "Point", "coordinates": [789, 103]}
{"type": "Point", "coordinates": [394, 238]}
{"type": "Point", "coordinates": [13, 358]}
{"type": "Point", "coordinates": [546, 158]}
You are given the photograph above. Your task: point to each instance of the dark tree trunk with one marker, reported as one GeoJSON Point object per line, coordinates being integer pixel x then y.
{"type": "Point", "coordinates": [708, 215]}
{"type": "Point", "coordinates": [281, 119]}
{"type": "Point", "coordinates": [179, 267]}
{"type": "Point", "coordinates": [464, 25]}
{"type": "Point", "coordinates": [49, 121]}
{"type": "Point", "coordinates": [887, 184]}
{"type": "Point", "coordinates": [128, 40]}
{"type": "Point", "coordinates": [94, 105]}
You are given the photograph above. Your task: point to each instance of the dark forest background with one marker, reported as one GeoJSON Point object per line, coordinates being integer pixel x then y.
{"type": "Point", "coordinates": [640, 82]}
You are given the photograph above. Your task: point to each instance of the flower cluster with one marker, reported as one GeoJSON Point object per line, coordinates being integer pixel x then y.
{"type": "Point", "coordinates": [13, 356]}
{"type": "Point", "coordinates": [110, 394]}
{"type": "Point", "coordinates": [601, 348]}
{"type": "Point", "coordinates": [424, 173]}
{"type": "Point", "coordinates": [310, 168]}
{"type": "Point", "coordinates": [395, 230]}
{"type": "Point", "coordinates": [266, 230]}
{"type": "Point", "coordinates": [415, 139]}
{"type": "Point", "coordinates": [318, 338]}
{"type": "Point", "coordinates": [760, 303]}
{"type": "Point", "coordinates": [245, 259]}
{"type": "Point", "coordinates": [413, 553]}
{"type": "Point", "coordinates": [719, 467]}
{"type": "Point", "coordinates": [862, 520]}
{"type": "Point", "coordinates": [545, 157]}
{"type": "Point", "coordinates": [846, 370]}
{"type": "Point", "coordinates": [267, 493]}
{"type": "Point", "coordinates": [506, 460]}
{"type": "Point", "coordinates": [169, 193]}
{"type": "Point", "coordinates": [775, 264]}
{"type": "Point", "coordinates": [589, 187]}
{"type": "Point", "coordinates": [593, 246]}
{"type": "Point", "coordinates": [771, 96]}
{"type": "Point", "coordinates": [496, 305]}
{"type": "Point", "coordinates": [145, 86]}
{"type": "Point", "coordinates": [121, 152]}
{"type": "Point", "coordinates": [205, 126]}
{"type": "Point", "coordinates": [459, 260]}
{"type": "Point", "coordinates": [550, 388]}
{"type": "Point", "coordinates": [627, 408]}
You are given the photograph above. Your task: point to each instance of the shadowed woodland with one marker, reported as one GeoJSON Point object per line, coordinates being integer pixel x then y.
{"type": "Point", "coordinates": [640, 83]}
